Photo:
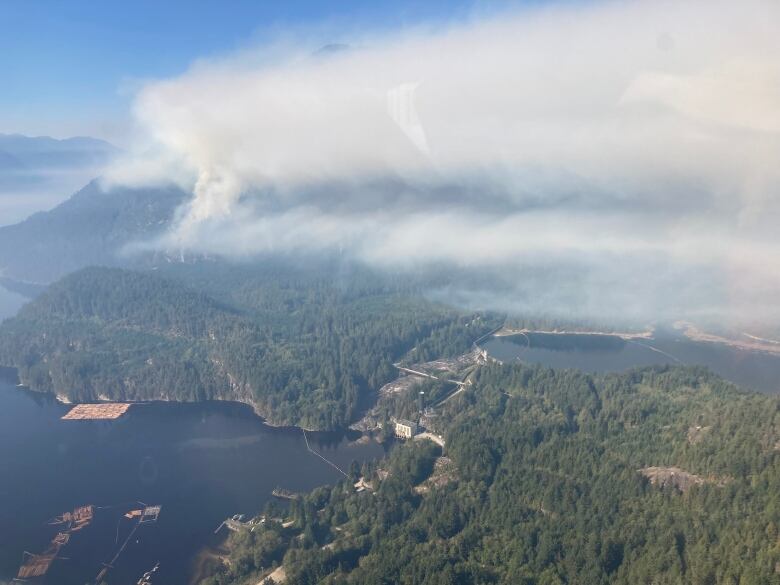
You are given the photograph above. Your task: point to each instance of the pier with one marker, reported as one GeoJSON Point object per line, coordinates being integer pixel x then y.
{"type": "Point", "coordinates": [237, 524]}
{"type": "Point", "coordinates": [285, 494]}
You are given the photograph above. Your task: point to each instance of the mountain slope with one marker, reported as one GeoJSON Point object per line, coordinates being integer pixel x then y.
{"type": "Point", "coordinates": [90, 228]}
{"type": "Point", "coordinates": [39, 172]}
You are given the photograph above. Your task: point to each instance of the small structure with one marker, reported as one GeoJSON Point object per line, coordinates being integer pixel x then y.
{"type": "Point", "coordinates": [150, 514]}
{"type": "Point", "coordinates": [284, 494]}
{"type": "Point", "coordinates": [237, 523]}
{"type": "Point", "coordinates": [363, 484]}
{"type": "Point", "coordinates": [103, 411]}
{"type": "Point", "coordinates": [405, 429]}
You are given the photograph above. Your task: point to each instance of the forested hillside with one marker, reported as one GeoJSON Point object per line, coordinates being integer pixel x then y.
{"type": "Point", "coordinates": [664, 475]}
{"type": "Point", "coordinates": [301, 347]}
{"type": "Point", "coordinates": [91, 228]}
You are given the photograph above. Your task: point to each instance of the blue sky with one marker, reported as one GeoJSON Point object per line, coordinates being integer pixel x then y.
{"type": "Point", "coordinates": [68, 67]}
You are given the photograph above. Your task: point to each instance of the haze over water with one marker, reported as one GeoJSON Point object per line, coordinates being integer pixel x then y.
{"type": "Point", "coordinates": [10, 303]}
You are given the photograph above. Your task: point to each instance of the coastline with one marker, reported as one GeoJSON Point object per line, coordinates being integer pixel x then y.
{"type": "Point", "coordinates": [207, 558]}
{"type": "Point", "coordinates": [63, 400]}
{"type": "Point", "coordinates": [507, 332]}
{"type": "Point", "coordinates": [753, 343]}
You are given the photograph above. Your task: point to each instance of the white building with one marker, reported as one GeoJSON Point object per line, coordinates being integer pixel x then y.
{"type": "Point", "coordinates": [405, 429]}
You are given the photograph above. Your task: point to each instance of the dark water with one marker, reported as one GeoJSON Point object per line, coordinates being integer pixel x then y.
{"type": "Point", "coordinates": [201, 462]}
{"type": "Point", "coordinates": [10, 303]}
{"type": "Point", "coordinates": [605, 353]}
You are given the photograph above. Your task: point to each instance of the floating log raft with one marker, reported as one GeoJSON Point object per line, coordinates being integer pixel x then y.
{"type": "Point", "coordinates": [103, 411]}
{"type": "Point", "coordinates": [35, 565]}
{"type": "Point", "coordinates": [38, 565]}
{"type": "Point", "coordinates": [76, 520]}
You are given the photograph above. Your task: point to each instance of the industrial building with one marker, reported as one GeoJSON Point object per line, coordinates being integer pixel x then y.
{"type": "Point", "coordinates": [405, 429]}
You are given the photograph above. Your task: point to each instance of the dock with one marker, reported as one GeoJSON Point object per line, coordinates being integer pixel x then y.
{"type": "Point", "coordinates": [150, 514]}
{"type": "Point", "coordinates": [237, 523]}
{"type": "Point", "coordinates": [284, 494]}
{"type": "Point", "coordinates": [102, 411]}
{"type": "Point", "coordinates": [146, 514]}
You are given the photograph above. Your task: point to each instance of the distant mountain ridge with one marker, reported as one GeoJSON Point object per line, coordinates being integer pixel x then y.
{"type": "Point", "coordinates": [38, 172]}
{"type": "Point", "coordinates": [34, 163]}
{"type": "Point", "coordinates": [90, 228]}
{"type": "Point", "coordinates": [32, 152]}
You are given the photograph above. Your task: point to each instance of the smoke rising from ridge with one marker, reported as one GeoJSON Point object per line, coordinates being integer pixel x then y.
{"type": "Point", "coordinates": [627, 151]}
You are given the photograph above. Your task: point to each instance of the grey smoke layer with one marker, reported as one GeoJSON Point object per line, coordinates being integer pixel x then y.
{"type": "Point", "coordinates": [608, 159]}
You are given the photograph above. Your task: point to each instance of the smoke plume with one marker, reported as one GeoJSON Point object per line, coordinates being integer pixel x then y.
{"type": "Point", "coordinates": [606, 158]}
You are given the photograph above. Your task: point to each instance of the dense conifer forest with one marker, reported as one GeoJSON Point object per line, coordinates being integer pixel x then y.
{"type": "Point", "coordinates": [301, 345]}
{"type": "Point", "coordinates": [545, 479]}
{"type": "Point", "coordinates": [658, 475]}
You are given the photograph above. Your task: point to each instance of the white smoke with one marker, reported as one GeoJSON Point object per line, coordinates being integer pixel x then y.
{"type": "Point", "coordinates": [639, 140]}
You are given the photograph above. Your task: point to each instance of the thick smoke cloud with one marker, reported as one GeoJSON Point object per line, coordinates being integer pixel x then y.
{"type": "Point", "coordinates": [612, 159]}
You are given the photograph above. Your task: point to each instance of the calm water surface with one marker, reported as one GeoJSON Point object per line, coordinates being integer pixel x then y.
{"type": "Point", "coordinates": [10, 303]}
{"type": "Point", "coordinates": [605, 353]}
{"type": "Point", "coordinates": [201, 462]}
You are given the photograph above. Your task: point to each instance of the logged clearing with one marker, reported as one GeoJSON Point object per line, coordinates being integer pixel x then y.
{"type": "Point", "coordinates": [278, 576]}
{"type": "Point", "coordinates": [677, 478]}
